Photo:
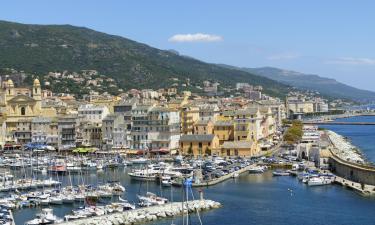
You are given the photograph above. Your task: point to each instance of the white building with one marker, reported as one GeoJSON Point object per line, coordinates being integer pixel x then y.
{"type": "Point", "coordinates": [164, 128]}
{"type": "Point", "coordinates": [92, 113]}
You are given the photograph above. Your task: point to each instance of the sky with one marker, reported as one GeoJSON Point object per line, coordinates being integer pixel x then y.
{"type": "Point", "coordinates": [332, 38]}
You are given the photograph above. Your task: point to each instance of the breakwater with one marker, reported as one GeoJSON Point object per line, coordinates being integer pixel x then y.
{"type": "Point", "coordinates": [148, 214]}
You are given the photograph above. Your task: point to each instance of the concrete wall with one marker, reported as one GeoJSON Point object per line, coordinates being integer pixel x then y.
{"type": "Point", "coordinates": [351, 171]}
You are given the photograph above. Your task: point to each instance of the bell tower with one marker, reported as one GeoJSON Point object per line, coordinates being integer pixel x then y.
{"type": "Point", "coordinates": [37, 96]}
{"type": "Point", "coordinates": [9, 90]}
{"type": "Point", "coordinates": [37, 91]}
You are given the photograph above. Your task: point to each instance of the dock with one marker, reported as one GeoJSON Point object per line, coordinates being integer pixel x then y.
{"type": "Point", "coordinates": [216, 180]}
{"type": "Point", "coordinates": [363, 189]}
{"type": "Point", "coordinates": [153, 213]}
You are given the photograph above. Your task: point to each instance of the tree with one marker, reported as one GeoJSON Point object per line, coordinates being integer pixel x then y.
{"type": "Point", "coordinates": [190, 151]}
{"type": "Point", "coordinates": [207, 151]}
{"type": "Point", "coordinates": [294, 133]}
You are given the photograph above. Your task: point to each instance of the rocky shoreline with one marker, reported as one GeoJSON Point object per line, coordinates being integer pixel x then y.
{"type": "Point", "coordinates": [153, 213]}
{"type": "Point", "coordinates": [344, 149]}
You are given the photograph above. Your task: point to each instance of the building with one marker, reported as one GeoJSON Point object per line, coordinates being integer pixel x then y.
{"type": "Point", "coordinates": [203, 127]}
{"type": "Point", "coordinates": [92, 113]}
{"type": "Point", "coordinates": [189, 116]}
{"type": "Point", "coordinates": [164, 128]}
{"type": "Point", "coordinates": [140, 128]}
{"type": "Point", "coordinates": [114, 132]}
{"type": "Point", "coordinates": [18, 107]}
{"type": "Point", "coordinates": [239, 148]}
{"type": "Point", "coordinates": [199, 145]}
{"type": "Point", "coordinates": [44, 130]}
{"type": "Point", "coordinates": [224, 130]}
{"type": "Point", "coordinates": [67, 132]}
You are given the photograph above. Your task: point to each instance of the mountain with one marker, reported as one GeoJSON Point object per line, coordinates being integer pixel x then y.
{"type": "Point", "coordinates": [325, 86]}
{"type": "Point", "coordinates": [43, 48]}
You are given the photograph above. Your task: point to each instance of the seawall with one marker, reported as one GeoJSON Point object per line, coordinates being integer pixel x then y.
{"type": "Point", "coordinates": [148, 214]}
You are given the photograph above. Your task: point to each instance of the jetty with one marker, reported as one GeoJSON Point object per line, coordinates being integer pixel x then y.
{"type": "Point", "coordinates": [215, 180]}
{"type": "Point", "coordinates": [153, 213]}
{"type": "Point", "coordinates": [363, 189]}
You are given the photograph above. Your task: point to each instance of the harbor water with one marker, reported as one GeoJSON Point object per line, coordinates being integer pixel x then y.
{"type": "Point", "coordinates": [252, 198]}
{"type": "Point", "coordinates": [248, 199]}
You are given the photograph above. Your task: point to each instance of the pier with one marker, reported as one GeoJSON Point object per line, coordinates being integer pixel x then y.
{"type": "Point", "coordinates": [148, 214]}
{"type": "Point", "coordinates": [216, 180]}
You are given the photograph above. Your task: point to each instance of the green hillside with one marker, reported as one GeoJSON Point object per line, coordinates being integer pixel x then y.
{"type": "Point", "coordinates": [43, 48]}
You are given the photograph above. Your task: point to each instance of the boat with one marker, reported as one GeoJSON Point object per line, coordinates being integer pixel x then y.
{"type": "Point", "coordinates": [151, 199]}
{"type": "Point", "coordinates": [321, 180]}
{"type": "Point", "coordinates": [280, 173]}
{"type": "Point", "coordinates": [166, 181]}
{"type": "Point", "coordinates": [256, 169]}
{"type": "Point", "coordinates": [142, 175]}
{"type": "Point", "coordinates": [45, 217]}
{"type": "Point", "coordinates": [139, 161]}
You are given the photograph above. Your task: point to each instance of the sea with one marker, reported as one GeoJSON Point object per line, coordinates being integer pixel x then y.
{"type": "Point", "coordinates": [258, 199]}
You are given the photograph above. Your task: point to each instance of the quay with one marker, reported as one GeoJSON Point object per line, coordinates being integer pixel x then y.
{"type": "Point", "coordinates": [148, 214]}
{"type": "Point", "coordinates": [363, 189]}
{"type": "Point", "coordinates": [216, 180]}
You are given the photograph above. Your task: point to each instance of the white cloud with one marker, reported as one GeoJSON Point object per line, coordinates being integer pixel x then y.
{"type": "Point", "coordinates": [352, 61]}
{"type": "Point", "coordinates": [197, 37]}
{"type": "Point", "coordinates": [284, 56]}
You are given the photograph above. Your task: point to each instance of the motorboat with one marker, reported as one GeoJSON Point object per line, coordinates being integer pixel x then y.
{"type": "Point", "coordinates": [151, 199]}
{"type": "Point", "coordinates": [139, 161]}
{"type": "Point", "coordinates": [280, 173]}
{"type": "Point", "coordinates": [45, 217]}
{"type": "Point", "coordinates": [142, 175]}
{"type": "Point", "coordinates": [256, 169]}
{"type": "Point", "coordinates": [166, 181]}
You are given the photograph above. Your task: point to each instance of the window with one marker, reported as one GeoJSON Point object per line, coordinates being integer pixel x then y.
{"type": "Point", "coordinates": [200, 144]}
{"type": "Point", "coordinates": [23, 111]}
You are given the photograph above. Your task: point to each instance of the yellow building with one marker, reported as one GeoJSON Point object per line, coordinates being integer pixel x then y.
{"type": "Point", "coordinates": [239, 148]}
{"type": "Point", "coordinates": [224, 130]}
{"type": "Point", "coordinates": [199, 145]}
{"type": "Point", "coordinates": [203, 127]}
{"type": "Point", "coordinates": [189, 116]}
{"type": "Point", "coordinates": [19, 106]}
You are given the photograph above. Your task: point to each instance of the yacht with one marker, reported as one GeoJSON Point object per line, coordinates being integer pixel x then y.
{"type": "Point", "coordinates": [143, 175]}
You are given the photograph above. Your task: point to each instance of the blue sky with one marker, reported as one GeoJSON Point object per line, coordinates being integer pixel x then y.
{"type": "Point", "coordinates": [330, 38]}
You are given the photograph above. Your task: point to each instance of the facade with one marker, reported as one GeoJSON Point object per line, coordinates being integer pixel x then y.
{"type": "Point", "coordinates": [140, 128]}
{"type": "Point", "coordinates": [224, 130]}
{"type": "Point", "coordinates": [18, 107]}
{"type": "Point", "coordinates": [199, 145]}
{"type": "Point", "coordinates": [67, 132]}
{"type": "Point", "coordinates": [239, 148]}
{"type": "Point", "coordinates": [203, 127]}
{"type": "Point", "coordinates": [92, 113]}
{"type": "Point", "coordinates": [164, 128]}
{"type": "Point", "coordinates": [189, 116]}
{"type": "Point", "coordinates": [44, 130]}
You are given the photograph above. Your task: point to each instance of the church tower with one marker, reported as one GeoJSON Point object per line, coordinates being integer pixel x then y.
{"type": "Point", "coordinates": [9, 90]}
{"type": "Point", "coordinates": [37, 91]}
{"type": "Point", "coordinates": [37, 95]}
